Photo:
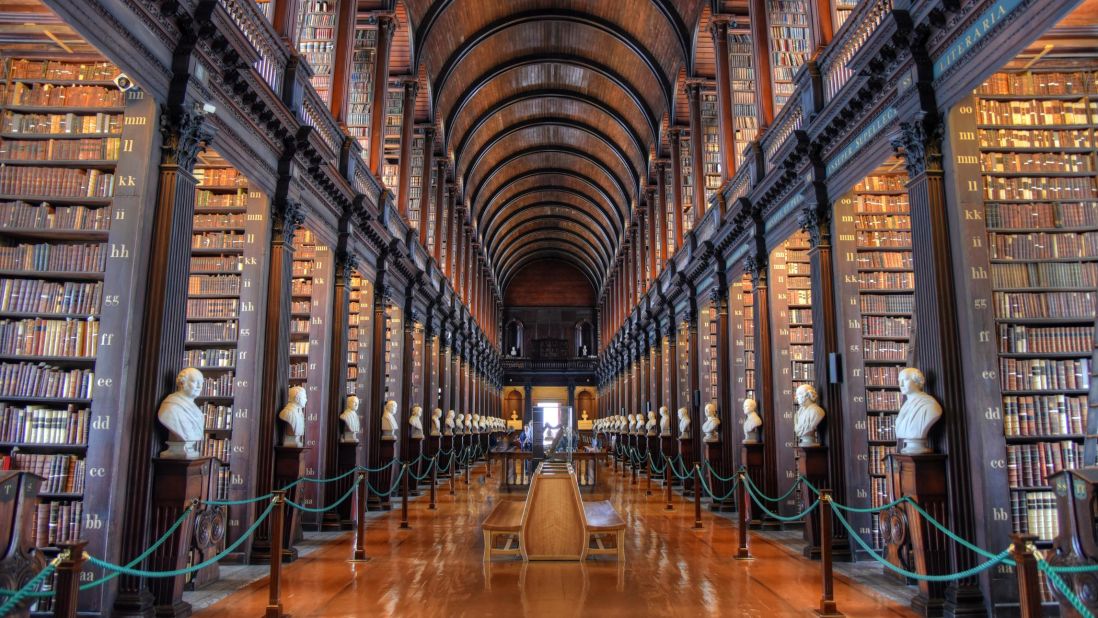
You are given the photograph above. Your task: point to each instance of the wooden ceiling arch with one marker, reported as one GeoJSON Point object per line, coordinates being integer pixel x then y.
{"type": "Point", "coordinates": [543, 199]}
{"type": "Point", "coordinates": [551, 246]}
{"type": "Point", "coordinates": [557, 226]}
{"type": "Point", "coordinates": [546, 215]}
{"type": "Point", "coordinates": [564, 181]}
{"type": "Point", "coordinates": [517, 267]}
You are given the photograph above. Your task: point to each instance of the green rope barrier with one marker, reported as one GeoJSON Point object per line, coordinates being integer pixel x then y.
{"type": "Point", "coordinates": [980, 568]}
{"type": "Point", "coordinates": [716, 476]}
{"type": "Point", "coordinates": [1082, 568]}
{"type": "Point", "coordinates": [425, 474]}
{"type": "Point", "coordinates": [876, 509]}
{"type": "Point", "coordinates": [27, 591]}
{"type": "Point", "coordinates": [937, 524]}
{"type": "Point", "coordinates": [751, 485]}
{"type": "Point", "coordinates": [309, 509]}
{"type": "Point", "coordinates": [798, 517]}
{"type": "Point", "coordinates": [681, 477]}
{"type": "Point", "coordinates": [726, 496]}
{"type": "Point", "coordinates": [238, 502]}
{"type": "Point", "coordinates": [392, 489]}
{"type": "Point", "coordinates": [191, 569]}
{"type": "Point", "coordinates": [1057, 581]}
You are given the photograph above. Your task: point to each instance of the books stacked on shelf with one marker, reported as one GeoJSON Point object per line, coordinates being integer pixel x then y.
{"type": "Point", "coordinates": [56, 522]}
{"type": "Point", "coordinates": [669, 214]}
{"type": "Point", "coordinates": [689, 213]}
{"type": "Point", "coordinates": [41, 381]}
{"type": "Point", "coordinates": [316, 42]}
{"type": "Point", "coordinates": [63, 474]}
{"type": "Point", "coordinates": [415, 184]}
{"type": "Point", "coordinates": [790, 44]}
{"type": "Point", "coordinates": [748, 337]}
{"type": "Point", "coordinates": [58, 70]}
{"type": "Point", "coordinates": [394, 334]}
{"type": "Point", "coordinates": [711, 145]}
{"type": "Point", "coordinates": [707, 329]}
{"type": "Point", "coordinates": [1041, 211]}
{"type": "Point", "coordinates": [360, 308]}
{"type": "Point", "coordinates": [22, 216]}
{"type": "Point", "coordinates": [74, 338]}
{"type": "Point", "coordinates": [37, 424]}
{"type": "Point", "coordinates": [745, 114]}
{"type": "Point", "coordinates": [362, 84]}
{"type": "Point", "coordinates": [50, 298]}
{"type": "Point", "coordinates": [842, 10]}
{"type": "Point", "coordinates": [394, 109]}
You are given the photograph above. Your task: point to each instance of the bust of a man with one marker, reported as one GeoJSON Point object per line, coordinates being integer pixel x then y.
{"type": "Point", "coordinates": [808, 417]}
{"type": "Point", "coordinates": [584, 415]}
{"type": "Point", "coordinates": [918, 414]}
{"type": "Point", "coordinates": [650, 425]}
{"type": "Point", "coordinates": [632, 423]}
{"type": "Point", "coordinates": [349, 416]}
{"type": "Point", "coordinates": [477, 426]}
{"type": "Point", "coordinates": [514, 352]}
{"type": "Point", "coordinates": [711, 424]}
{"type": "Point", "coordinates": [751, 421]}
{"type": "Point", "coordinates": [184, 420]}
{"type": "Point", "coordinates": [436, 422]}
{"type": "Point", "coordinates": [389, 421]}
{"type": "Point", "coordinates": [415, 422]}
{"type": "Point", "coordinates": [468, 422]}
{"type": "Point", "coordinates": [665, 421]}
{"type": "Point", "coordinates": [451, 422]}
{"type": "Point", "coordinates": [293, 418]}
{"type": "Point", "coordinates": [684, 424]}
{"type": "Point", "coordinates": [514, 415]}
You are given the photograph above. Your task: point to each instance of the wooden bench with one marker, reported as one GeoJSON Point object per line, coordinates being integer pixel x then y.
{"type": "Point", "coordinates": [505, 520]}
{"type": "Point", "coordinates": [602, 520]}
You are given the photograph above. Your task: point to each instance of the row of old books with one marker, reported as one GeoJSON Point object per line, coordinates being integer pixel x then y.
{"type": "Point", "coordinates": [883, 222]}
{"type": "Point", "coordinates": [887, 303]}
{"type": "Point", "coordinates": [1063, 305]}
{"type": "Point", "coordinates": [36, 380]}
{"type": "Point", "coordinates": [217, 263]}
{"type": "Point", "coordinates": [882, 427]}
{"type": "Point", "coordinates": [55, 181]}
{"type": "Point", "coordinates": [213, 284]}
{"type": "Point", "coordinates": [884, 259]}
{"type": "Point", "coordinates": [221, 385]}
{"type": "Point", "coordinates": [86, 149]}
{"type": "Point", "coordinates": [883, 238]}
{"type": "Point", "coordinates": [1039, 374]}
{"type": "Point", "coordinates": [50, 297]}
{"type": "Point", "coordinates": [882, 401]}
{"type": "Point", "coordinates": [217, 240]}
{"type": "Point", "coordinates": [1034, 512]}
{"type": "Point", "coordinates": [1061, 188]}
{"type": "Point", "coordinates": [57, 522]}
{"type": "Point", "coordinates": [877, 350]}
{"type": "Point", "coordinates": [221, 358]}
{"type": "Point", "coordinates": [1045, 275]}
{"type": "Point", "coordinates": [218, 221]}
{"type": "Point", "coordinates": [878, 456]}
{"type": "Point", "coordinates": [213, 307]}
{"type": "Point", "coordinates": [45, 337]}
{"type": "Point", "coordinates": [211, 332]}
{"type": "Point", "coordinates": [219, 177]}
{"type": "Point", "coordinates": [210, 199]}
{"type": "Point", "coordinates": [1044, 415]}
{"type": "Point", "coordinates": [1021, 339]}
{"type": "Point", "coordinates": [1043, 245]}
{"type": "Point", "coordinates": [64, 474]}
{"type": "Point", "coordinates": [38, 424]}
{"type": "Point", "coordinates": [1030, 465]}
{"type": "Point", "coordinates": [47, 95]}
{"type": "Point", "coordinates": [45, 216]}
{"type": "Point", "coordinates": [882, 326]}
{"type": "Point", "coordinates": [886, 280]}
{"type": "Point", "coordinates": [1034, 138]}
{"type": "Point", "coordinates": [1042, 215]}
{"type": "Point", "coordinates": [68, 123]}
{"type": "Point", "coordinates": [62, 258]}
{"type": "Point", "coordinates": [1034, 113]}
{"type": "Point", "coordinates": [22, 68]}
{"type": "Point", "coordinates": [882, 376]}
{"type": "Point", "coordinates": [1038, 83]}
{"type": "Point", "coordinates": [217, 416]}
{"type": "Point", "coordinates": [1043, 162]}
{"type": "Point", "coordinates": [217, 448]}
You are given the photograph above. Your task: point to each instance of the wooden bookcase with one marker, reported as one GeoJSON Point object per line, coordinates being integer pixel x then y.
{"type": "Point", "coordinates": [707, 355]}
{"type": "Point", "coordinates": [359, 334]}
{"type": "Point", "coordinates": [316, 41]}
{"type": "Point", "coordinates": [687, 182]}
{"type": "Point", "coordinates": [741, 307]}
{"type": "Point", "coordinates": [416, 192]}
{"type": "Point", "coordinates": [361, 89]}
{"type": "Point", "coordinates": [394, 355]}
{"type": "Point", "coordinates": [426, 204]}
{"type": "Point", "coordinates": [790, 44]}
{"type": "Point", "coordinates": [840, 11]}
{"type": "Point", "coordinates": [669, 214]}
{"type": "Point", "coordinates": [711, 144]}
{"type": "Point", "coordinates": [394, 116]}
{"type": "Point", "coordinates": [791, 334]}
{"type": "Point", "coordinates": [1022, 151]}
{"type": "Point", "coordinates": [745, 113]}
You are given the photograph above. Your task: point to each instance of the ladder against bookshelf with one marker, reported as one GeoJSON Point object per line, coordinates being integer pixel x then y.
{"type": "Point", "coordinates": [744, 107]}
{"type": "Point", "coordinates": [316, 41]}
{"type": "Point", "coordinates": [790, 44]}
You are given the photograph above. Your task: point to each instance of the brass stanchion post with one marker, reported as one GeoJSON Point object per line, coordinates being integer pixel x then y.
{"type": "Point", "coordinates": [404, 497]}
{"type": "Point", "coordinates": [743, 553]}
{"type": "Point", "coordinates": [274, 586]}
{"type": "Point", "coordinates": [828, 609]}
{"type": "Point", "coordinates": [697, 497]}
{"type": "Point", "coordinates": [68, 569]}
{"type": "Point", "coordinates": [1029, 584]}
{"type": "Point", "coordinates": [360, 525]}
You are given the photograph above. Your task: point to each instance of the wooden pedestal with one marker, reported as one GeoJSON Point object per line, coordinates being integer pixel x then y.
{"type": "Point", "coordinates": [714, 454]}
{"type": "Point", "coordinates": [383, 479]}
{"type": "Point", "coordinates": [669, 449]}
{"type": "Point", "coordinates": [923, 478]}
{"type": "Point", "coordinates": [752, 459]}
{"type": "Point", "coordinates": [415, 450]}
{"type": "Point", "coordinates": [446, 443]}
{"type": "Point", "coordinates": [686, 450]}
{"type": "Point", "coordinates": [176, 483]}
{"type": "Point", "coordinates": [290, 466]}
{"type": "Point", "coordinates": [347, 459]}
{"type": "Point", "coordinates": [812, 464]}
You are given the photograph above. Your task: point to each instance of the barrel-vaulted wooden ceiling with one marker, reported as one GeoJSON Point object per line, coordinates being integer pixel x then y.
{"type": "Point", "coordinates": [551, 112]}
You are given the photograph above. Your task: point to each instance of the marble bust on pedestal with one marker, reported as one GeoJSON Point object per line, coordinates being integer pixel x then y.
{"type": "Point", "coordinates": [293, 418]}
{"type": "Point", "coordinates": [751, 422]}
{"type": "Point", "coordinates": [389, 421]}
{"type": "Point", "coordinates": [436, 422]}
{"type": "Point", "coordinates": [808, 417]}
{"type": "Point", "coordinates": [184, 420]}
{"type": "Point", "coordinates": [349, 416]}
{"type": "Point", "coordinates": [450, 423]}
{"type": "Point", "coordinates": [684, 424]}
{"type": "Point", "coordinates": [415, 422]}
{"type": "Point", "coordinates": [918, 414]}
{"type": "Point", "coordinates": [665, 421]}
{"type": "Point", "coordinates": [711, 424]}
{"type": "Point", "coordinates": [467, 422]}
{"type": "Point", "coordinates": [650, 426]}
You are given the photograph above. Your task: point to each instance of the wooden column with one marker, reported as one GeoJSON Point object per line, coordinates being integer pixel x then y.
{"type": "Point", "coordinates": [451, 237]}
{"type": "Point", "coordinates": [656, 354]}
{"type": "Point", "coordinates": [407, 350]}
{"type": "Point", "coordinates": [430, 379]}
{"type": "Point", "coordinates": [694, 379]}
{"type": "Point", "coordinates": [371, 434]}
{"type": "Point", "coordinates": [440, 209]}
{"type": "Point", "coordinates": [652, 227]}
{"type": "Point", "coordinates": [454, 379]}
{"type": "Point", "coordinates": [757, 266]}
{"type": "Point", "coordinates": [283, 18]}
{"type": "Point", "coordinates": [386, 24]}
{"type": "Point", "coordinates": [444, 373]}
{"type": "Point", "coordinates": [426, 197]}
{"type": "Point", "coordinates": [407, 136]}
{"type": "Point", "coordinates": [341, 59]}
{"type": "Point", "coordinates": [345, 263]}
{"type": "Point", "coordinates": [160, 356]}
{"type": "Point", "coordinates": [673, 363]}
{"type": "Point", "coordinates": [718, 29]}
{"type": "Point", "coordinates": [697, 138]}
{"type": "Point", "coordinates": [760, 44]}
{"type": "Point", "coordinates": [729, 427]}
{"type": "Point", "coordinates": [661, 214]}
{"type": "Point", "coordinates": [823, 29]}
{"type": "Point", "coordinates": [674, 136]}
{"type": "Point", "coordinates": [937, 322]}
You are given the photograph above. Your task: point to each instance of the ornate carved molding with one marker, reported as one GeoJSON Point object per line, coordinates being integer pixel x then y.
{"type": "Point", "coordinates": [185, 134]}
{"type": "Point", "coordinates": [919, 142]}
{"type": "Point", "coordinates": [286, 217]}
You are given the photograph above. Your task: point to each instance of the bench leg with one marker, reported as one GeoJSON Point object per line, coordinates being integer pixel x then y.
{"type": "Point", "coordinates": [621, 545]}
{"type": "Point", "coordinates": [487, 546]}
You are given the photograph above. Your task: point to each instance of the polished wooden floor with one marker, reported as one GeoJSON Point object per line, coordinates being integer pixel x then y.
{"type": "Point", "coordinates": [435, 569]}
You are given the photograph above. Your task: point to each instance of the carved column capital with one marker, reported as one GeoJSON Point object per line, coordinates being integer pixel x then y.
{"type": "Point", "coordinates": [919, 142]}
{"type": "Point", "coordinates": [815, 219]}
{"type": "Point", "coordinates": [286, 217]}
{"type": "Point", "coordinates": [185, 133]}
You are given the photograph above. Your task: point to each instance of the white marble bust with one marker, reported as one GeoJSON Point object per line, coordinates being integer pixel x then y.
{"type": "Point", "coordinates": [640, 424]}
{"type": "Point", "coordinates": [349, 416]}
{"type": "Point", "coordinates": [436, 422]}
{"type": "Point", "coordinates": [751, 421]}
{"type": "Point", "coordinates": [711, 424]}
{"type": "Point", "coordinates": [514, 415]}
{"type": "Point", "coordinates": [918, 414]}
{"type": "Point", "coordinates": [459, 423]}
{"type": "Point", "coordinates": [650, 426]}
{"type": "Point", "coordinates": [451, 422]}
{"type": "Point", "coordinates": [293, 418]}
{"type": "Point", "coordinates": [808, 417]}
{"type": "Point", "coordinates": [467, 422]}
{"type": "Point", "coordinates": [684, 424]}
{"type": "Point", "coordinates": [477, 425]}
{"type": "Point", "coordinates": [632, 423]}
{"type": "Point", "coordinates": [665, 421]}
{"type": "Point", "coordinates": [389, 422]}
{"type": "Point", "coordinates": [583, 415]}
{"type": "Point", "coordinates": [415, 422]}
{"type": "Point", "coordinates": [184, 420]}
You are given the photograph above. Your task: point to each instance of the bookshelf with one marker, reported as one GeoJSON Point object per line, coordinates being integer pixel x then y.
{"type": "Point", "coordinates": [310, 310]}
{"type": "Point", "coordinates": [394, 356]}
{"type": "Point", "coordinates": [791, 316]}
{"type": "Point", "coordinates": [1023, 149]}
{"type": "Point", "coordinates": [415, 185]}
{"type": "Point", "coordinates": [66, 266]}
{"type": "Point", "coordinates": [687, 182]}
{"type": "Point", "coordinates": [741, 307]}
{"type": "Point", "coordinates": [361, 89]}
{"type": "Point", "coordinates": [790, 44]}
{"type": "Point", "coordinates": [669, 214]}
{"type": "Point", "coordinates": [682, 332]}
{"type": "Point", "coordinates": [316, 42]}
{"type": "Point", "coordinates": [429, 195]}
{"type": "Point", "coordinates": [359, 333]}
{"type": "Point", "coordinates": [707, 341]}
{"type": "Point", "coordinates": [711, 144]}
{"type": "Point", "coordinates": [416, 386]}
{"type": "Point", "coordinates": [745, 112]}
{"type": "Point", "coordinates": [394, 109]}
{"type": "Point", "coordinates": [668, 399]}
{"type": "Point", "coordinates": [840, 12]}
{"type": "Point", "coordinates": [873, 232]}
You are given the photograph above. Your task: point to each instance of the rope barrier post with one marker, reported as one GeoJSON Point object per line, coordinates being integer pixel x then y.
{"type": "Point", "coordinates": [648, 476]}
{"type": "Point", "coordinates": [488, 463]}
{"type": "Point", "coordinates": [404, 497]}
{"type": "Point", "coordinates": [633, 465]}
{"type": "Point", "coordinates": [434, 482]}
{"type": "Point", "coordinates": [827, 600]}
{"type": "Point", "coordinates": [743, 553]}
{"type": "Point", "coordinates": [697, 497]}
{"type": "Point", "coordinates": [469, 470]}
{"type": "Point", "coordinates": [274, 587]}
{"type": "Point", "coordinates": [68, 578]}
{"type": "Point", "coordinates": [667, 485]}
{"type": "Point", "coordinates": [1029, 585]}
{"type": "Point", "coordinates": [453, 472]}
{"type": "Point", "coordinates": [360, 524]}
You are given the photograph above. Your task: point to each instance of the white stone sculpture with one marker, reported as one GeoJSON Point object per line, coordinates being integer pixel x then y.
{"type": "Point", "coordinates": [389, 422]}
{"type": "Point", "coordinates": [650, 426]}
{"type": "Point", "coordinates": [684, 424]}
{"type": "Point", "coordinates": [751, 422]}
{"type": "Point", "coordinates": [293, 415]}
{"type": "Point", "coordinates": [459, 423]}
{"type": "Point", "coordinates": [808, 417]}
{"type": "Point", "coordinates": [184, 420]}
{"type": "Point", "coordinates": [351, 425]}
{"type": "Point", "coordinates": [415, 421]}
{"type": "Point", "coordinates": [711, 424]}
{"type": "Point", "coordinates": [477, 427]}
{"type": "Point", "coordinates": [436, 422]}
{"type": "Point", "coordinates": [450, 423]}
{"type": "Point", "coordinates": [918, 414]}
{"type": "Point", "coordinates": [467, 422]}
{"type": "Point", "coordinates": [632, 423]}
{"type": "Point", "coordinates": [665, 421]}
